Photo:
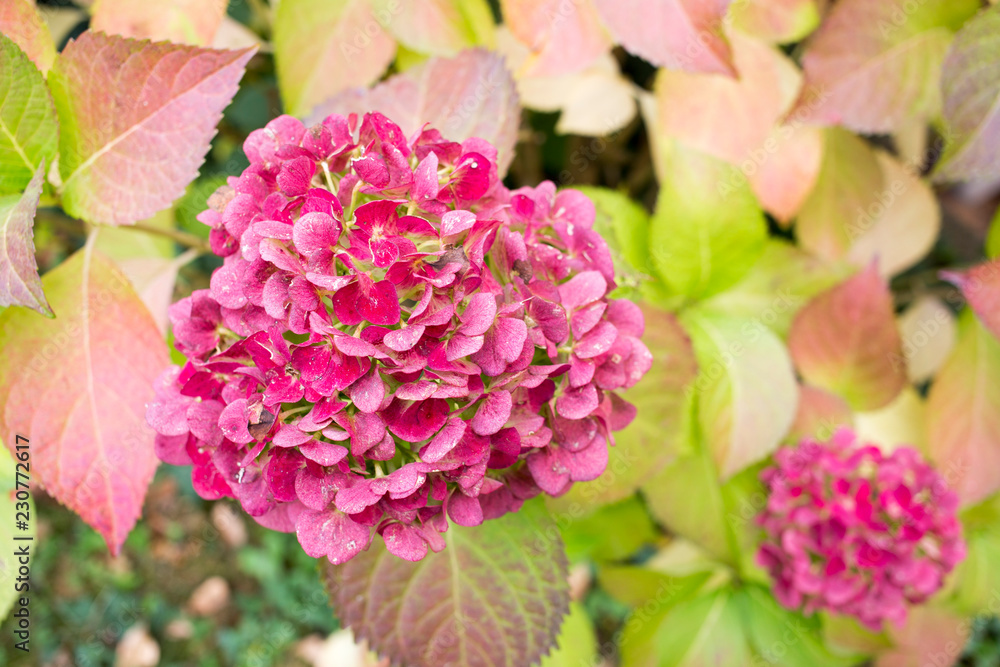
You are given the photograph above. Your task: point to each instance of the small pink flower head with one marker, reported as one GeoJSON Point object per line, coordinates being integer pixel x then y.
{"type": "Point", "coordinates": [857, 532]}
{"type": "Point", "coordinates": [394, 340]}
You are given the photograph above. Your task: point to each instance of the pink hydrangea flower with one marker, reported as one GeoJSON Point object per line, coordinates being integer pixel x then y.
{"type": "Point", "coordinates": [394, 340]}
{"type": "Point", "coordinates": [857, 532]}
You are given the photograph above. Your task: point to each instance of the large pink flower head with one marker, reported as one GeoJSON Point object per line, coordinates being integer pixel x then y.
{"type": "Point", "coordinates": [857, 532]}
{"type": "Point", "coordinates": [394, 340]}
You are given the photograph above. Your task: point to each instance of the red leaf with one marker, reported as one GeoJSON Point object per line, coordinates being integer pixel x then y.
{"type": "Point", "coordinates": [677, 34]}
{"type": "Point", "coordinates": [77, 386]}
{"type": "Point", "coordinates": [470, 95]}
{"type": "Point", "coordinates": [136, 119]}
{"type": "Point", "coordinates": [19, 281]}
{"type": "Point", "coordinates": [846, 341]}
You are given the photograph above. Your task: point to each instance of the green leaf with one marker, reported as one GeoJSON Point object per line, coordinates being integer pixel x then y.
{"type": "Point", "coordinates": [577, 641]}
{"type": "Point", "coordinates": [614, 532]}
{"type": "Point", "coordinates": [993, 237]}
{"type": "Point", "coordinates": [438, 27]}
{"type": "Point", "coordinates": [746, 385]}
{"type": "Point", "coordinates": [28, 129]}
{"type": "Point", "coordinates": [977, 578]}
{"type": "Point", "coordinates": [784, 638]}
{"type": "Point", "coordinates": [626, 227]}
{"type": "Point", "coordinates": [496, 595]}
{"type": "Point", "coordinates": [706, 631]}
{"type": "Point", "coordinates": [635, 586]}
{"type": "Point", "coordinates": [655, 437]}
{"type": "Point", "coordinates": [19, 281]}
{"type": "Point", "coordinates": [783, 280]}
{"type": "Point", "coordinates": [708, 229]}
{"type": "Point", "coordinates": [970, 84]}
{"type": "Point", "coordinates": [9, 506]}
{"type": "Point", "coordinates": [322, 47]}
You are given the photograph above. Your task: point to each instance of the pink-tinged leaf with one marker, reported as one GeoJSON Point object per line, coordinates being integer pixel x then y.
{"type": "Point", "coordinates": [963, 412]}
{"type": "Point", "coordinates": [27, 118]}
{"type": "Point", "coordinates": [563, 38]}
{"type": "Point", "coordinates": [470, 95]}
{"type": "Point", "coordinates": [930, 635]}
{"type": "Point", "coordinates": [655, 437]}
{"type": "Point", "coordinates": [873, 66]}
{"type": "Point", "coordinates": [929, 330]}
{"type": "Point", "coordinates": [438, 27]}
{"type": "Point", "coordinates": [846, 341]}
{"type": "Point", "coordinates": [819, 415]}
{"type": "Point", "coordinates": [981, 288]}
{"type": "Point", "coordinates": [182, 21]}
{"type": "Point", "coordinates": [747, 393]}
{"type": "Point", "coordinates": [787, 169]}
{"type": "Point", "coordinates": [322, 47]}
{"type": "Point", "coordinates": [496, 595]}
{"type": "Point", "coordinates": [19, 281]}
{"type": "Point", "coordinates": [698, 109]}
{"type": "Point", "coordinates": [136, 119]}
{"type": "Point", "coordinates": [779, 21]}
{"type": "Point", "coordinates": [78, 391]}
{"type": "Point", "coordinates": [676, 34]}
{"type": "Point", "coordinates": [970, 85]}
{"type": "Point", "coordinates": [21, 22]}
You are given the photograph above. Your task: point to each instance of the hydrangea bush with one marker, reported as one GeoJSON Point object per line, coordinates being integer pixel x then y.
{"type": "Point", "coordinates": [394, 340]}
{"type": "Point", "coordinates": [857, 532]}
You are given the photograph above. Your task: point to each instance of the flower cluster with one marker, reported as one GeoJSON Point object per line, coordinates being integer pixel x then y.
{"type": "Point", "coordinates": [857, 532]}
{"type": "Point", "coordinates": [394, 339]}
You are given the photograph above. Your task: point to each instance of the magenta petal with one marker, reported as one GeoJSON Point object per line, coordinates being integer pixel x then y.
{"type": "Point", "coordinates": [405, 542]}
{"type": "Point", "coordinates": [332, 534]}
{"type": "Point", "coordinates": [368, 392]}
{"type": "Point", "coordinates": [460, 345]}
{"type": "Point", "coordinates": [379, 304]}
{"type": "Point", "coordinates": [588, 463]}
{"type": "Point", "coordinates": [582, 289]}
{"type": "Point", "coordinates": [503, 344]}
{"type": "Point", "coordinates": [493, 413]}
{"type": "Point", "coordinates": [456, 222]}
{"type": "Point", "coordinates": [444, 442]}
{"type": "Point", "coordinates": [356, 498]}
{"type": "Point", "coordinates": [314, 488]}
{"type": "Point", "coordinates": [324, 453]}
{"type": "Point", "coordinates": [479, 314]}
{"type": "Point", "coordinates": [290, 435]}
{"type": "Point", "coordinates": [586, 318]}
{"type": "Point", "coordinates": [234, 421]}
{"type": "Point", "coordinates": [549, 472]}
{"type": "Point", "coordinates": [577, 403]}
{"type": "Point", "coordinates": [172, 449]}
{"type": "Point", "coordinates": [404, 339]}
{"type": "Point", "coordinates": [169, 415]}
{"type": "Point", "coordinates": [464, 510]}
{"type": "Point", "coordinates": [295, 176]}
{"type": "Point", "coordinates": [420, 420]}
{"type": "Point", "coordinates": [315, 231]}
{"type": "Point", "coordinates": [226, 284]}
{"type": "Point", "coordinates": [354, 347]}
{"type": "Point", "coordinates": [598, 341]}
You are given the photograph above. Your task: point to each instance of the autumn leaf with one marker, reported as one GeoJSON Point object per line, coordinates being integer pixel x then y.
{"type": "Point", "coordinates": [676, 34]}
{"type": "Point", "coordinates": [784, 170]}
{"type": "Point", "coordinates": [873, 66]}
{"type": "Point", "coordinates": [183, 21]}
{"type": "Point", "coordinates": [136, 120]}
{"type": "Point", "coordinates": [698, 109]}
{"type": "Point", "coordinates": [971, 89]}
{"type": "Point", "coordinates": [780, 21]}
{"type": "Point", "coordinates": [28, 129]}
{"type": "Point", "coordinates": [77, 389]}
{"type": "Point", "coordinates": [980, 286]}
{"type": "Point", "coordinates": [562, 37]}
{"type": "Point", "coordinates": [963, 410]}
{"type": "Point", "coordinates": [846, 341]}
{"type": "Point", "coordinates": [323, 47]}
{"type": "Point", "coordinates": [496, 595]}
{"type": "Point", "coordinates": [19, 281]}
{"type": "Point", "coordinates": [470, 95]}
{"type": "Point", "coordinates": [21, 22]}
